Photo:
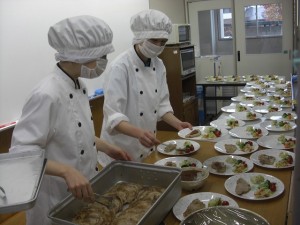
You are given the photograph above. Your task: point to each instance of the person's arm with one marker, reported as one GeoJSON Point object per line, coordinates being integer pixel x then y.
{"type": "Point", "coordinates": [173, 121]}
{"type": "Point", "coordinates": [146, 138]}
{"type": "Point", "coordinates": [77, 184]}
{"type": "Point", "coordinates": [112, 150]}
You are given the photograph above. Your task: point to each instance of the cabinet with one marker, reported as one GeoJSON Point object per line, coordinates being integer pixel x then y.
{"type": "Point", "coordinates": [182, 89]}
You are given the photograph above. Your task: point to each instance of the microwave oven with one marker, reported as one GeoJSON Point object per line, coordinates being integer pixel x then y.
{"type": "Point", "coordinates": [187, 60]}
{"type": "Point", "coordinates": [181, 33]}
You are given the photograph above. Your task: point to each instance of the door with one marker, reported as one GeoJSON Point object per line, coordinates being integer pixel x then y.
{"type": "Point", "coordinates": [241, 36]}
{"type": "Point", "coordinates": [264, 40]}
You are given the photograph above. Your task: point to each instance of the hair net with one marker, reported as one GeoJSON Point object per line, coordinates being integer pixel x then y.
{"type": "Point", "coordinates": [80, 39]}
{"type": "Point", "coordinates": [150, 24]}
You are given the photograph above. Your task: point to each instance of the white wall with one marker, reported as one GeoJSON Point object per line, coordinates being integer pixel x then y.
{"type": "Point", "coordinates": [25, 55]}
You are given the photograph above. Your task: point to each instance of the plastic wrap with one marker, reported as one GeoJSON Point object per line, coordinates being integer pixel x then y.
{"type": "Point", "coordinates": [224, 216]}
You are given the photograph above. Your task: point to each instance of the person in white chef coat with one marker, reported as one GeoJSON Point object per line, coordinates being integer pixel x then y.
{"type": "Point", "coordinates": [136, 90]}
{"type": "Point", "coordinates": [57, 116]}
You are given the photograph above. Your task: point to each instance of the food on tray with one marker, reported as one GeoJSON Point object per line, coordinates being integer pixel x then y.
{"type": "Point", "coordinates": [245, 146]}
{"type": "Point", "coordinates": [257, 179]}
{"type": "Point", "coordinates": [195, 205]}
{"type": "Point", "coordinates": [255, 132]}
{"type": "Point", "coordinates": [287, 103]}
{"type": "Point", "coordinates": [232, 123]}
{"type": "Point", "coordinates": [251, 115]}
{"type": "Point", "coordinates": [240, 108]}
{"type": "Point", "coordinates": [258, 103]}
{"type": "Point", "coordinates": [239, 166]}
{"type": "Point", "coordinates": [220, 167]}
{"type": "Point", "coordinates": [266, 159]}
{"type": "Point", "coordinates": [254, 89]}
{"type": "Point", "coordinates": [170, 163]}
{"type": "Point", "coordinates": [287, 143]}
{"type": "Point", "coordinates": [137, 198]}
{"type": "Point", "coordinates": [265, 189]}
{"type": "Point", "coordinates": [193, 133]}
{"type": "Point", "coordinates": [272, 108]}
{"type": "Point", "coordinates": [211, 132]}
{"type": "Point", "coordinates": [170, 147]}
{"type": "Point", "coordinates": [248, 98]}
{"type": "Point", "coordinates": [242, 186]}
{"type": "Point", "coordinates": [285, 93]}
{"type": "Point", "coordinates": [230, 148]}
{"type": "Point", "coordinates": [287, 116]}
{"type": "Point", "coordinates": [286, 160]}
{"type": "Point", "coordinates": [275, 97]}
{"type": "Point", "coordinates": [190, 175]}
{"type": "Point", "coordinates": [187, 163]}
{"type": "Point", "coordinates": [282, 124]}
{"type": "Point", "coordinates": [187, 148]}
{"type": "Point", "coordinates": [217, 202]}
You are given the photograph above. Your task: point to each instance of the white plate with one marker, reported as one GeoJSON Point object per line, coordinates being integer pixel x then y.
{"type": "Point", "coordinates": [222, 123]}
{"type": "Point", "coordinates": [228, 109]}
{"type": "Point", "coordinates": [182, 133]}
{"type": "Point", "coordinates": [265, 109]}
{"type": "Point", "coordinates": [243, 116]}
{"type": "Point", "coordinates": [220, 146]}
{"type": "Point", "coordinates": [278, 115]}
{"type": "Point", "coordinates": [178, 161]}
{"type": "Point", "coordinates": [230, 185]}
{"type": "Point", "coordinates": [240, 98]}
{"type": "Point", "coordinates": [271, 141]}
{"type": "Point", "coordinates": [269, 126]}
{"type": "Point", "coordinates": [251, 103]}
{"type": "Point", "coordinates": [182, 204]}
{"type": "Point", "coordinates": [272, 152]}
{"type": "Point", "coordinates": [229, 166]}
{"type": "Point", "coordinates": [180, 144]}
{"type": "Point", "coordinates": [241, 132]}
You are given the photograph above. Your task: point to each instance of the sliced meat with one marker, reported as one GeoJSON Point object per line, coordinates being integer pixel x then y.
{"type": "Point", "coordinates": [195, 205]}
{"type": "Point", "coordinates": [266, 159]}
{"type": "Point", "coordinates": [193, 133]}
{"type": "Point", "coordinates": [242, 186]}
{"type": "Point", "coordinates": [220, 167]}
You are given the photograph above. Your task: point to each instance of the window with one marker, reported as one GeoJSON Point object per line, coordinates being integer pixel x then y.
{"type": "Point", "coordinates": [225, 23]}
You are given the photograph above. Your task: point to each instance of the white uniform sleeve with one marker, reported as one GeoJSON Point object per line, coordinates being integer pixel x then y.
{"type": "Point", "coordinates": [34, 127]}
{"type": "Point", "coordinates": [116, 95]}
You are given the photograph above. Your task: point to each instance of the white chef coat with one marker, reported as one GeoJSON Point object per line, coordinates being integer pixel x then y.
{"type": "Point", "coordinates": [137, 94]}
{"type": "Point", "coordinates": [58, 119]}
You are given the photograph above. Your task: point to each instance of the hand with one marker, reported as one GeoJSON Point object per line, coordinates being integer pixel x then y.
{"type": "Point", "coordinates": [117, 153]}
{"type": "Point", "coordinates": [78, 185]}
{"type": "Point", "coordinates": [148, 139]}
{"type": "Point", "coordinates": [183, 125]}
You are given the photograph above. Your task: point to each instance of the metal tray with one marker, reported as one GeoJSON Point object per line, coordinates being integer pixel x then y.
{"type": "Point", "coordinates": [20, 177]}
{"type": "Point", "coordinates": [140, 173]}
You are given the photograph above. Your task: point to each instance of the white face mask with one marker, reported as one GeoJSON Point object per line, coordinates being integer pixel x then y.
{"type": "Point", "coordinates": [95, 72]}
{"type": "Point", "coordinates": [150, 50]}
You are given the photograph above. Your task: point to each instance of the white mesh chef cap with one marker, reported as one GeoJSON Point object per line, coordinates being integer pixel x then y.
{"type": "Point", "coordinates": [150, 24]}
{"type": "Point", "coordinates": [80, 39]}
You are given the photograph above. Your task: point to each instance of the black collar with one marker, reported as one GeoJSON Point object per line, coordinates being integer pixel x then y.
{"type": "Point", "coordinates": [76, 82]}
{"type": "Point", "coordinates": [147, 63]}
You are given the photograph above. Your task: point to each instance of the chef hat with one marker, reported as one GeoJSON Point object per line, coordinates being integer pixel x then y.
{"type": "Point", "coordinates": [80, 39]}
{"type": "Point", "coordinates": [150, 24]}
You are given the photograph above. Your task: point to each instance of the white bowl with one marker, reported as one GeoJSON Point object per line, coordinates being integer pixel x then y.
{"type": "Point", "coordinates": [198, 177]}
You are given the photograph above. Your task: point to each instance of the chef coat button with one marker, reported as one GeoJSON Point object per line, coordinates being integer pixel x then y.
{"type": "Point", "coordinates": [82, 152]}
{"type": "Point", "coordinates": [96, 168]}
{"type": "Point", "coordinates": [141, 92]}
{"type": "Point", "coordinates": [141, 114]}
{"type": "Point", "coordinates": [155, 111]}
{"type": "Point", "coordinates": [154, 69]}
{"type": "Point", "coordinates": [151, 150]}
{"type": "Point", "coordinates": [94, 143]}
{"type": "Point", "coordinates": [84, 91]}
{"type": "Point", "coordinates": [155, 90]}
{"type": "Point", "coordinates": [71, 96]}
{"type": "Point", "coordinates": [141, 156]}
{"type": "Point", "coordinates": [79, 124]}
{"type": "Point", "coordinates": [91, 117]}
{"type": "Point", "coordinates": [154, 131]}
{"type": "Point", "coordinates": [137, 70]}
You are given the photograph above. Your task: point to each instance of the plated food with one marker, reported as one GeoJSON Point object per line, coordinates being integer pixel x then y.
{"type": "Point", "coordinates": [227, 123]}
{"type": "Point", "coordinates": [277, 141]}
{"type": "Point", "coordinates": [267, 108]}
{"type": "Point", "coordinates": [228, 108]}
{"type": "Point", "coordinates": [273, 158]}
{"type": "Point", "coordinates": [190, 203]}
{"type": "Point", "coordinates": [240, 98]}
{"type": "Point", "coordinates": [236, 146]}
{"type": "Point", "coordinates": [228, 165]}
{"type": "Point", "coordinates": [178, 147]}
{"type": "Point", "coordinates": [254, 186]}
{"type": "Point", "coordinates": [248, 132]}
{"type": "Point", "coordinates": [246, 116]}
{"type": "Point", "coordinates": [283, 115]}
{"type": "Point", "coordinates": [206, 133]}
{"type": "Point", "coordinates": [179, 161]}
{"type": "Point", "coordinates": [278, 125]}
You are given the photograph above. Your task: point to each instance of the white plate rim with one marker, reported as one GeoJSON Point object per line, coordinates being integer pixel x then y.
{"type": "Point", "coordinates": [187, 130]}
{"type": "Point", "coordinates": [214, 123]}
{"type": "Point", "coordinates": [160, 149]}
{"type": "Point", "coordinates": [266, 123]}
{"type": "Point", "coordinates": [275, 136]}
{"type": "Point", "coordinates": [233, 141]}
{"type": "Point", "coordinates": [234, 132]}
{"type": "Point", "coordinates": [178, 159]}
{"type": "Point", "coordinates": [237, 115]}
{"type": "Point", "coordinates": [270, 114]}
